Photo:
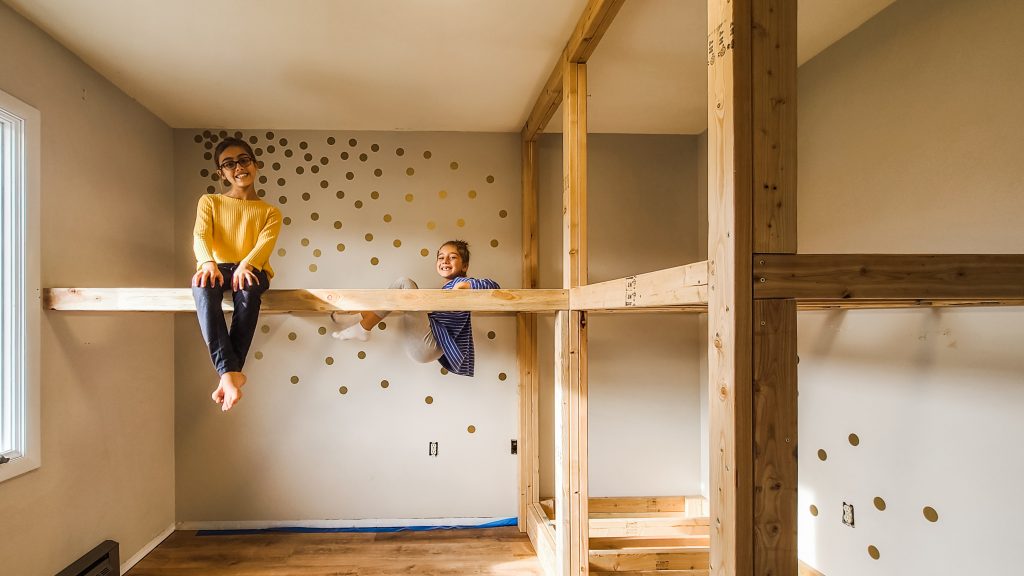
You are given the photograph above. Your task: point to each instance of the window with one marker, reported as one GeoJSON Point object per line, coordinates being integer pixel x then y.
{"type": "Point", "coordinates": [19, 287]}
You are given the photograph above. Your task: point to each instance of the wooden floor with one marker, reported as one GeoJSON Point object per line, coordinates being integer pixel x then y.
{"type": "Point", "coordinates": [492, 551]}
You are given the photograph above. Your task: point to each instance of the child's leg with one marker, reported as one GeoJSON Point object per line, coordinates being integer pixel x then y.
{"type": "Point", "coordinates": [418, 339]}
{"type": "Point", "coordinates": [213, 325]}
{"type": "Point", "coordinates": [246, 316]}
{"type": "Point", "coordinates": [368, 320]}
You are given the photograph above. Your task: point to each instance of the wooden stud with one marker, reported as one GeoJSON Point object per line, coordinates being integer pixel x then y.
{"type": "Point", "coordinates": [851, 277]}
{"type": "Point", "coordinates": [679, 286]}
{"type": "Point", "coordinates": [729, 293]}
{"type": "Point", "coordinates": [312, 300]}
{"type": "Point", "coordinates": [526, 343]}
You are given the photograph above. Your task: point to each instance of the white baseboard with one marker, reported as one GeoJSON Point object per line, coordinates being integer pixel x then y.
{"type": "Point", "coordinates": [131, 562]}
{"type": "Point", "coordinates": [361, 523]}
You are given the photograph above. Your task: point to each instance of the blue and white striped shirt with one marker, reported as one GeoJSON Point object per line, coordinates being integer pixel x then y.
{"type": "Point", "coordinates": [454, 330]}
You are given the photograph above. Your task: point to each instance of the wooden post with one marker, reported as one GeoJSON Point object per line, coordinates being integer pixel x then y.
{"type": "Point", "coordinates": [526, 343]}
{"type": "Point", "coordinates": [752, 359]}
{"type": "Point", "coordinates": [571, 514]}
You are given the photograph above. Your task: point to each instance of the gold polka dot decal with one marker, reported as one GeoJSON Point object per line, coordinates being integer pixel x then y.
{"type": "Point", "coordinates": [490, 179]}
{"type": "Point", "coordinates": [822, 455]}
{"type": "Point", "coordinates": [331, 140]}
{"type": "Point", "coordinates": [340, 194]}
{"type": "Point", "coordinates": [337, 224]}
{"type": "Point", "coordinates": [265, 329]}
{"type": "Point", "coordinates": [429, 399]}
{"type": "Point", "coordinates": [442, 194]}
{"type": "Point", "coordinates": [344, 155]}
{"type": "Point", "coordinates": [321, 331]}
{"type": "Point", "coordinates": [410, 171]}
{"type": "Point", "coordinates": [375, 148]}
{"type": "Point", "coordinates": [427, 154]}
{"type": "Point", "coordinates": [387, 217]}
{"type": "Point", "coordinates": [349, 176]}
{"type": "Point", "coordinates": [316, 253]}
{"type": "Point", "coordinates": [409, 197]}
{"type": "Point", "coordinates": [304, 242]}
{"type": "Point", "coordinates": [431, 225]}
{"type": "Point", "coordinates": [378, 172]}
{"type": "Point", "coordinates": [375, 195]}
{"type": "Point", "coordinates": [454, 165]}
{"type": "Point", "coordinates": [358, 204]}
{"type": "Point", "coordinates": [258, 355]}
{"type": "Point", "coordinates": [312, 267]}
{"type": "Point", "coordinates": [854, 440]}
{"type": "Point", "coordinates": [281, 252]}
{"type": "Point", "coordinates": [369, 237]}
{"type": "Point", "coordinates": [352, 142]}
{"type": "Point", "coordinates": [343, 390]}
{"type": "Point", "coordinates": [384, 383]}
{"type": "Point", "coordinates": [282, 182]}
{"type": "Point", "coordinates": [329, 361]}
{"type": "Point", "coordinates": [879, 503]}
{"type": "Point", "coordinates": [314, 216]}
{"type": "Point", "coordinates": [471, 429]}
{"type": "Point", "coordinates": [292, 336]}
{"type": "Point", "coordinates": [930, 514]}
{"type": "Point", "coordinates": [397, 243]}
{"type": "Point", "coordinates": [491, 335]}
{"type": "Point", "coordinates": [382, 325]}
{"type": "Point", "coordinates": [494, 243]}
{"type": "Point", "coordinates": [361, 355]}
{"type": "Point", "coordinates": [444, 371]}
{"type": "Point", "coordinates": [295, 379]}
{"type": "Point", "coordinates": [471, 194]}
{"type": "Point", "coordinates": [374, 260]}
{"type": "Point", "coordinates": [287, 221]}
{"type": "Point", "coordinates": [340, 247]}
{"type": "Point", "coordinates": [460, 222]}
{"type": "Point", "coordinates": [873, 552]}
{"type": "Point", "coordinates": [502, 376]}
{"type": "Point", "coordinates": [363, 157]}
{"type": "Point", "coordinates": [424, 252]}
{"type": "Point", "coordinates": [814, 510]}
{"type": "Point", "coordinates": [398, 151]}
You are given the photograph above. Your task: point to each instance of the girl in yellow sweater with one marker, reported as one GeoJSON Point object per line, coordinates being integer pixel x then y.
{"type": "Point", "coordinates": [234, 236]}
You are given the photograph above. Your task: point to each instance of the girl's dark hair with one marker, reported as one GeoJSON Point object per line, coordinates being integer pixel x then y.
{"type": "Point", "coordinates": [462, 247]}
{"type": "Point", "coordinates": [227, 143]}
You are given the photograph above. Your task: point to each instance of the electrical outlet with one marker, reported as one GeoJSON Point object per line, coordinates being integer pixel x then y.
{"type": "Point", "coordinates": [432, 451]}
{"type": "Point", "coordinates": [848, 514]}
{"type": "Point", "coordinates": [515, 447]}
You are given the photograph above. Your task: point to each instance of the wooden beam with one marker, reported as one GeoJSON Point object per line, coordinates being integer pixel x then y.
{"type": "Point", "coordinates": [648, 526]}
{"type": "Point", "coordinates": [681, 558]}
{"type": "Point", "coordinates": [597, 16]}
{"type": "Point", "coordinates": [312, 300]}
{"type": "Point", "coordinates": [847, 277]}
{"type": "Point", "coordinates": [526, 343]}
{"type": "Point", "coordinates": [647, 542]}
{"type": "Point", "coordinates": [679, 286]}
{"type": "Point", "coordinates": [571, 337]}
{"type": "Point", "coordinates": [542, 537]}
{"type": "Point", "coordinates": [867, 304]}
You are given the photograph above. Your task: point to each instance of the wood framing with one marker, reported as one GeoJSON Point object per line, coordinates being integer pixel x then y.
{"type": "Point", "coordinates": [312, 300]}
{"type": "Point", "coordinates": [526, 344]}
{"type": "Point", "coordinates": [752, 360]}
{"type": "Point", "coordinates": [893, 277]}
{"type": "Point", "coordinates": [682, 286]}
{"type": "Point", "coordinates": [597, 16]}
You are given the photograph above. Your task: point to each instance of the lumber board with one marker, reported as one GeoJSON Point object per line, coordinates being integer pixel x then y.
{"type": "Point", "coordinates": [542, 537]}
{"type": "Point", "coordinates": [730, 300]}
{"type": "Point", "coordinates": [890, 277]}
{"type": "Point", "coordinates": [623, 543]}
{"type": "Point", "coordinates": [630, 504]}
{"type": "Point", "coordinates": [594, 21]}
{"type": "Point", "coordinates": [775, 437]}
{"type": "Point", "coordinates": [636, 526]}
{"type": "Point", "coordinates": [653, 573]}
{"type": "Point", "coordinates": [681, 558]}
{"type": "Point", "coordinates": [526, 341]}
{"type": "Point", "coordinates": [312, 300]}
{"type": "Point", "coordinates": [679, 286]}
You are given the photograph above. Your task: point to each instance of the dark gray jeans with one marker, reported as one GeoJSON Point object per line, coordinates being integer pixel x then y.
{"type": "Point", "coordinates": [228, 349]}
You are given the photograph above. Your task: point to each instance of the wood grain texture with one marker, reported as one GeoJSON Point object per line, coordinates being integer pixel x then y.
{"type": "Point", "coordinates": [526, 341]}
{"type": "Point", "coordinates": [773, 98]}
{"type": "Point", "coordinates": [312, 300]}
{"type": "Point", "coordinates": [678, 286]}
{"type": "Point", "coordinates": [542, 536]}
{"type": "Point", "coordinates": [594, 21]}
{"type": "Point", "coordinates": [435, 553]}
{"type": "Point", "coordinates": [848, 277]}
{"type": "Point", "coordinates": [729, 293]}
{"type": "Point", "coordinates": [675, 558]}
{"type": "Point", "coordinates": [775, 437]}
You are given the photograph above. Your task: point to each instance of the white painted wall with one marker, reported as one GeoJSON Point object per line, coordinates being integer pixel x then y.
{"type": "Point", "coordinates": [644, 414]}
{"type": "Point", "coordinates": [304, 451]}
{"type": "Point", "coordinates": [107, 400]}
{"type": "Point", "coordinates": [911, 131]}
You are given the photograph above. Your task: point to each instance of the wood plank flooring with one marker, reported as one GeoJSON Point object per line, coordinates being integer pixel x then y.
{"type": "Point", "coordinates": [492, 551]}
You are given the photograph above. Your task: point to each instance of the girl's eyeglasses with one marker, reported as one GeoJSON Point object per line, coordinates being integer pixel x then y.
{"type": "Point", "coordinates": [243, 161]}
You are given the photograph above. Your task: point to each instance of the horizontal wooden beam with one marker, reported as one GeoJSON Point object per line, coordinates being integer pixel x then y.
{"type": "Point", "coordinates": [312, 300]}
{"type": "Point", "coordinates": [624, 543]}
{"type": "Point", "coordinates": [967, 278]}
{"type": "Point", "coordinates": [682, 286]}
{"type": "Point", "coordinates": [681, 558]}
{"type": "Point", "coordinates": [648, 526]}
{"type": "Point", "coordinates": [590, 28]}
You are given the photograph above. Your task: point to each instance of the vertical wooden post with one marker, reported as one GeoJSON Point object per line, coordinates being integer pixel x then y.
{"type": "Point", "coordinates": [572, 534]}
{"type": "Point", "coordinates": [526, 342]}
{"type": "Point", "coordinates": [751, 359]}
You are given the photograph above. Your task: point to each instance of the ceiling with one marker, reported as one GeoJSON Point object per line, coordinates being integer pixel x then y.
{"type": "Point", "coordinates": [443, 65]}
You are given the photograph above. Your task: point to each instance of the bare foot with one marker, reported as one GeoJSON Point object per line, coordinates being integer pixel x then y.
{"type": "Point", "coordinates": [229, 391]}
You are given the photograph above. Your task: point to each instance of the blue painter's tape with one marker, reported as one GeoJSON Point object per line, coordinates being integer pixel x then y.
{"type": "Point", "coordinates": [299, 529]}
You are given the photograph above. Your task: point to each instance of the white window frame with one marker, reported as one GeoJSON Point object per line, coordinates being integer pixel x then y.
{"type": "Point", "coordinates": [20, 305]}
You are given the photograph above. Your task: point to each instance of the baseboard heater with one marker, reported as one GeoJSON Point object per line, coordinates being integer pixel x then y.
{"type": "Point", "coordinates": [102, 560]}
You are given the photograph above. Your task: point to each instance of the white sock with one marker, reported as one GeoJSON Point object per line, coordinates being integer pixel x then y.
{"type": "Point", "coordinates": [353, 332]}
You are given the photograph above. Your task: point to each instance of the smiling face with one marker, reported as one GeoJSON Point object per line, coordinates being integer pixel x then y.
{"type": "Point", "coordinates": [450, 263]}
{"type": "Point", "coordinates": [237, 166]}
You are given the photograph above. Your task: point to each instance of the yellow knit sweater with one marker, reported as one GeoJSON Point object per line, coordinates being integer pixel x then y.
{"type": "Point", "coordinates": [232, 230]}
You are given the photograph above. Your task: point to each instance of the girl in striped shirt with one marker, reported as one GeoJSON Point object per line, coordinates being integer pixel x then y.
{"type": "Point", "coordinates": [443, 336]}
